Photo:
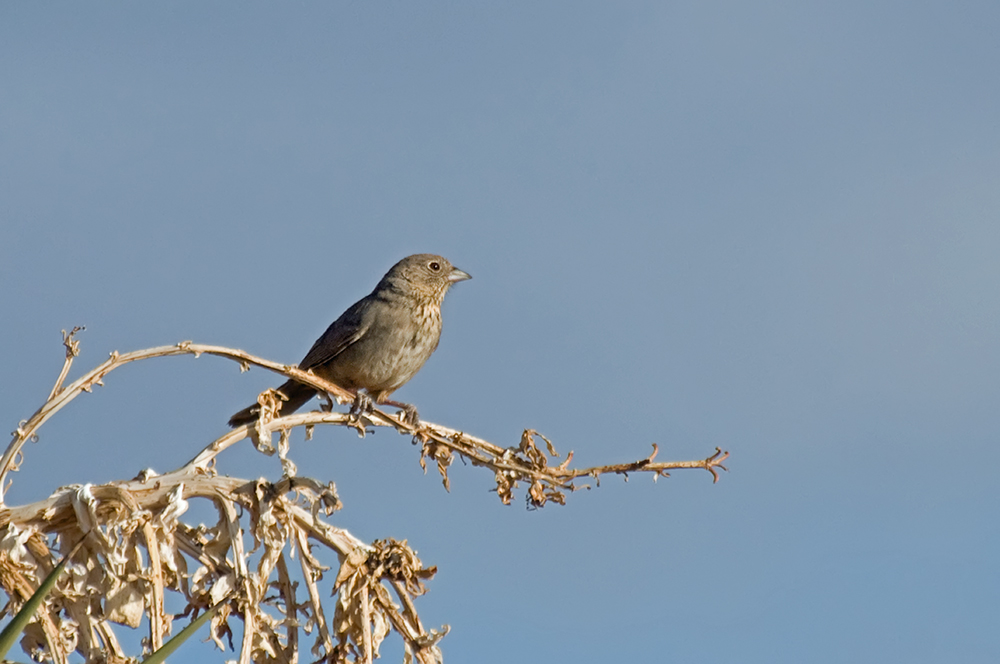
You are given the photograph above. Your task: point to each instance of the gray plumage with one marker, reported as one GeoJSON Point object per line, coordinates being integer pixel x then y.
{"type": "Point", "coordinates": [381, 341]}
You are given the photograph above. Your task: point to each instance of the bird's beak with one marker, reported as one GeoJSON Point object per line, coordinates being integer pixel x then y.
{"type": "Point", "coordinates": [458, 275]}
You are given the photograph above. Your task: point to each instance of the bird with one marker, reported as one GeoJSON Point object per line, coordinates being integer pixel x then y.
{"type": "Point", "coordinates": [380, 342]}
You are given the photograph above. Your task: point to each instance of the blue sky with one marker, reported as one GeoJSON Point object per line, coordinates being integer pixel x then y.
{"type": "Point", "coordinates": [770, 227]}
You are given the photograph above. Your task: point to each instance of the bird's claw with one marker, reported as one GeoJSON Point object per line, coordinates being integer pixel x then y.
{"type": "Point", "coordinates": [362, 405]}
{"type": "Point", "coordinates": [408, 412]}
{"type": "Point", "coordinates": [409, 415]}
{"type": "Point", "coordinates": [365, 404]}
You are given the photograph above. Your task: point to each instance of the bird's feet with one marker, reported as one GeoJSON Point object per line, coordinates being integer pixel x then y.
{"type": "Point", "coordinates": [362, 405]}
{"type": "Point", "coordinates": [410, 415]}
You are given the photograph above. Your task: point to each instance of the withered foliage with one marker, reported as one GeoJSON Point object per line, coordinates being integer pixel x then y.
{"type": "Point", "coordinates": [261, 561]}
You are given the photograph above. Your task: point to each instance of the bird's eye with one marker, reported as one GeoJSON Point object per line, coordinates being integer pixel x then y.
{"type": "Point", "coordinates": [434, 265]}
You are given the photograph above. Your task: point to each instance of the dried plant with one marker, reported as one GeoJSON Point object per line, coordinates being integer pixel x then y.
{"type": "Point", "coordinates": [137, 552]}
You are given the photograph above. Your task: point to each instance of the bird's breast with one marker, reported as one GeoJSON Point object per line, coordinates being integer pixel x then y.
{"type": "Point", "coordinates": [390, 352]}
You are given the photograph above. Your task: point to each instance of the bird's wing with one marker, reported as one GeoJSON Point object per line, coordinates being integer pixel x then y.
{"type": "Point", "coordinates": [343, 332]}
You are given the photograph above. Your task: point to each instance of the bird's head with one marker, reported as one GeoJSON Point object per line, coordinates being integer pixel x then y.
{"type": "Point", "coordinates": [427, 274]}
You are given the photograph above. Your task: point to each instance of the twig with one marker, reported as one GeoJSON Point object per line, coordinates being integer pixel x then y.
{"type": "Point", "coordinates": [72, 350]}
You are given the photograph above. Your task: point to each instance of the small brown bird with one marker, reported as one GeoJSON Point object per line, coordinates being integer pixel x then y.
{"type": "Point", "coordinates": [381, 341]}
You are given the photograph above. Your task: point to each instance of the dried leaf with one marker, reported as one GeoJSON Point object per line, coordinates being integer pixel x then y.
{"type": "Point", "coordinates": [124, 604]}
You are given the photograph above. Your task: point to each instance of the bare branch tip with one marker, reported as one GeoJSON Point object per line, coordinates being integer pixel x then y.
{"type": "Point", "coordinates": [71, 344]}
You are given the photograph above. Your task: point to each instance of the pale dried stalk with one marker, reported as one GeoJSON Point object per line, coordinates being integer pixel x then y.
{"type": "Point", "coordinates": [510, 461]}
{"type": "Point", "coordinates": [314, 597]}
{"type": "Point", "coordinates": [110, 583]}
{"type": "Point", "coordinates": [287, 590]}
{"type": "Point", "coordinates": [157, 628]}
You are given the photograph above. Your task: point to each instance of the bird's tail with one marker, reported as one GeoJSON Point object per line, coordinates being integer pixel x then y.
{"type": "Point", "coordinates": [297, 393]}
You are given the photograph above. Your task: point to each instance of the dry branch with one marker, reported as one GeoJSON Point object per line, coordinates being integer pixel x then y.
{"type": "Point", "coordinates": [137, 551]}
